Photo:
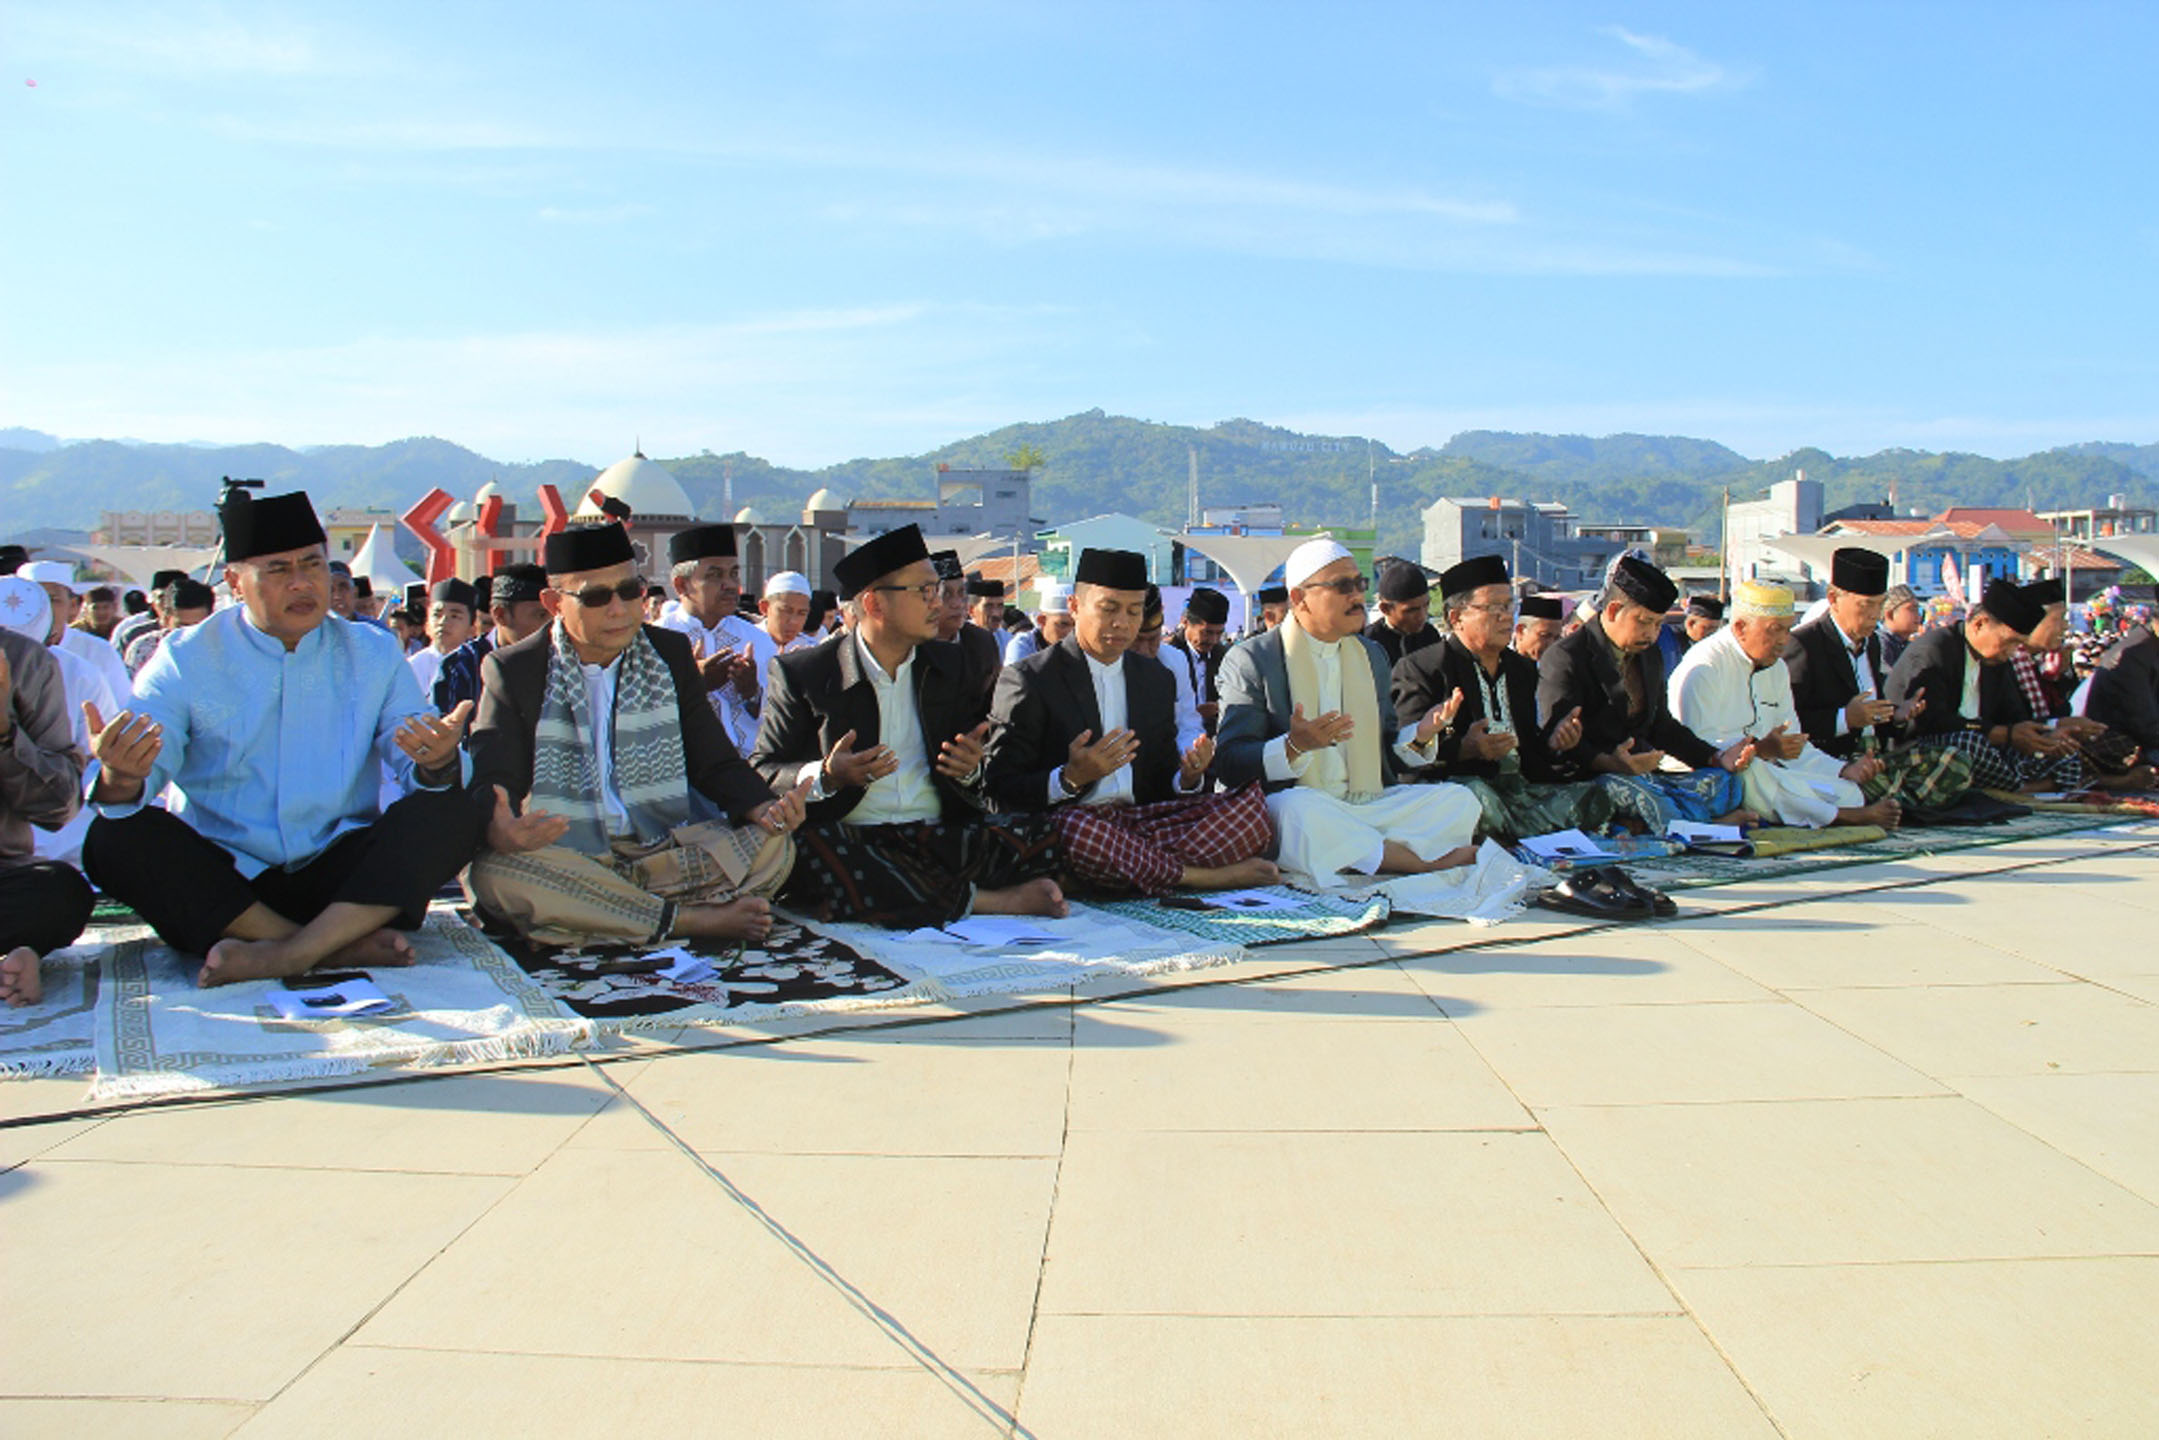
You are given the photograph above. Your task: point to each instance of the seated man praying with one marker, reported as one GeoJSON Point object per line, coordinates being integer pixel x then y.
{"type": "Point", "coordinates": [620, 810]}
{"type": "Point", "coordinates": [886, 724]}
{"type": "Point", "coordinates": [1305, 708]}
{"type": "Point", "coordinates": [1405, 623]}
{"type": "Point", "coordinates": [43, 903]}
{"type": "Point", "coordinates": [513, 603]}
{"type": "Point", "coordinates": [1733, 687]}
{"type": "Point", "coordinates": [1087, 730]}
{"type": "Point", "coordinates": [273, 721]}
{"type": "Point", "coordinates": [1609, 675]}
{"type": "Point", "coordinates": [1538, 626]}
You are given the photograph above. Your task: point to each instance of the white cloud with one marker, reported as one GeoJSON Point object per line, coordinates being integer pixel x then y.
{"type": "Point", "coordinates": [1657, 67]}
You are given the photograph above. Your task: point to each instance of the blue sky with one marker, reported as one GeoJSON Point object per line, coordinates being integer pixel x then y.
{"type": "Point", "coordinates": [818, 231]}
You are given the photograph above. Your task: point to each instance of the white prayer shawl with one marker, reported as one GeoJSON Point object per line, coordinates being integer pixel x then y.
{"type": "Point", "coordinates": [1718, 694]}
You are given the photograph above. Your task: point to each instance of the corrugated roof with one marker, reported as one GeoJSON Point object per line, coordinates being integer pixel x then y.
{"type": "Point", "coordinates": [1969, 520]}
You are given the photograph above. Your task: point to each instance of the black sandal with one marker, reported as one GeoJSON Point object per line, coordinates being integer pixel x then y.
{"type": "Point", "coordinates": [1593, 896]}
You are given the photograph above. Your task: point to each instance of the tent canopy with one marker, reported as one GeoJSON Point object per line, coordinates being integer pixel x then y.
{"type": "Point", "coordinates": [378, 561]}
{"type": "Point", "coordinates": [1249, 559]}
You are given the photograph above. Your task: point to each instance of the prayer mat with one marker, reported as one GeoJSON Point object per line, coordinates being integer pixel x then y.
{"type": "Point", "coordinates": [2081, 802]}
{"type": "Point", "coordinates": [1770, 841]}
{"type": "Point", "coordinates": [1316, 917]}
{"type": "Point", "coordinates": [1490, 890]}
{"type": "Point", "coordinates": [1692, 871]}
{"type": "Point", "coordinates": [794, 971]}
{"type": "Point", "coordinates": [53, 1037]}
{"type": "Point", "coordinates": [1088, 943]}
{"type": "Point", "coordinates": [463, 1002]}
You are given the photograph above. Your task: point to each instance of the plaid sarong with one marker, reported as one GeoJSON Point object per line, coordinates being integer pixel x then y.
{"type": "Point", "coordinates": [2004, 767]}
{"type": "Point", "coordinates": [1145, 848]}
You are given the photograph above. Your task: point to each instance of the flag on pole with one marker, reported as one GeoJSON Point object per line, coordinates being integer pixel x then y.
{"type": "Point", "coordinates": [1953, 583]}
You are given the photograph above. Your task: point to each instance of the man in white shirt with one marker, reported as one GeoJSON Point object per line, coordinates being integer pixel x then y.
{"type": "Point", "coordinates": [1149, 642]}
{"type": "Point", "coordinates": [1089, 732]}
{"type": "Point", "coordinates": [449, 625]}
{"type": "Point", "coordinates": [58, 580]}
{"type": "Point", "coordinates": [890, 723]}
{"type": "Point", "coordinates": [707, 580]}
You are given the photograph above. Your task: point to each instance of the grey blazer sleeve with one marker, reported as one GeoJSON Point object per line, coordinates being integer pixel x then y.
{"type": "Point", "coordinates": [1247, 722]}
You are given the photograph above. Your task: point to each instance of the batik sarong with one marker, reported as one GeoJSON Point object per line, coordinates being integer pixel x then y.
{"type": "Point", "coordinates": [917, 873]}
{"type": "Point", "coordinates": [1657, 799]}
{"type": "Point", "coordinates": [1515, 807]}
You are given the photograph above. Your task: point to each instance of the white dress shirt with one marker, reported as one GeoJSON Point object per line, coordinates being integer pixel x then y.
{"type": "Point", "coordinates": [1861, 672]}
{"type": "Point", "coordinates": [908, 793]}
{"type": "Point", "coordinates": [738, 716]}
{"type": "Point", "coordinates": [600, 691]}
{"type": "Point", "coordinates": [1332, 774]}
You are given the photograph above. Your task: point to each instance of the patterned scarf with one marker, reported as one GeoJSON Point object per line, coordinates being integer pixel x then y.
{"type": "Point", "coordinates": [1354, 765]}
{"type": "Point", "coordinates": [649, 772]}
{"type": "Point", "coordinates": [2027, 673]}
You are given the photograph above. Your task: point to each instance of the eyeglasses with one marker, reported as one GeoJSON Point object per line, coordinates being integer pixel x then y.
{"type": "Point", "coordinates": [1347, 585]}
{"type": "Point", "coordinates": [595, 597]}
{"type": "Point", "coordinates": [930, 592]}
{"type": "Point", "coordinates": [1502, 607]}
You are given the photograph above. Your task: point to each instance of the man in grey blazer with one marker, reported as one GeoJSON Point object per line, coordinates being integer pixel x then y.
{"type": "Point", "coordinates": [1307, 709]}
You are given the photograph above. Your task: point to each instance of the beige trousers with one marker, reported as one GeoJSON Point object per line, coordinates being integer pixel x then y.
{"type": "Point", "coordinates": [558, 896]}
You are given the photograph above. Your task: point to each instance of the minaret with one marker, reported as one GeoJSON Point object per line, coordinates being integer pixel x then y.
{"type": "Point", "coordinates": [1191, 489]}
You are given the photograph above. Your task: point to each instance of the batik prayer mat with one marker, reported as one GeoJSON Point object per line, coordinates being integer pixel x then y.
{"type": "Point", "coordinates": [794, 971]}
{"type": "Point", "coordinates": [1317, 917]}
{"type": "Point", "coordinates": [1694, 871]}
{"type": "Point", "coordinates": [2081, 802]}
{"type": "Point", "coordinates": [462, 1002]}
{"type": "Point", "coordinates": [1087, 944]}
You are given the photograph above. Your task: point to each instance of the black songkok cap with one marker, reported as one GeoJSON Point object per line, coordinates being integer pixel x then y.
{"type": "Point", "coordinates": [521, 581]}
{"type": "Point", "coordinates": [1274, 594]}
{"type": "Point", "coordinates": [362, 587]}
{"type": "Point", "coordinates": [987, 589]}
{"type": "Point", "coordinates": [453, 591]}
{"type": "Point", "coordinates": [483, 594]}
{"type": "Point", "coordinates": [1644, 584]}
{"type": "Point", "coordinates": [588, 547]}
{"type": "Point", "coordinates": [948, 565]}
{"type": "Point", "coordinates": [1464, 576]}
{"type": "Point", "coordinates": [1112, 569]}
{"type": "Point", "coordinates": [160, 579]}
{"type": "Point", "coordinates": [1860, 572]}
{"type": "Point", "coordinates": [416, 596]}
{"type": "Point", "coordinates": [13, 558]}
{"type": "Point", "coordinates": [1209, 607]}
{"type": "Point", "coordinates": [2046, 592]}
{"type": "Point", "coordinates": [1707, 606]}
{"type": "Point", "coordinates": [701, 542]}
{"type": "Point", "coordinates": [615, 509]}
{"type": "Point", "coordinates": [1542, 607]}
{"type": "Point", "coordinates": [872, 560]}
{"type": "Point", "coordinates": [1404, 581]}
{"type": "Point", "coordinates": [821, 603]}
{"type": "Point", "coordinates": [2011, 604]}
{"type": "Point", "coordinates": [1152, 610]}
{"type": "Point", "coordinates": [269, 526]}
{"type": "Point", "coordinates": [192, 595]}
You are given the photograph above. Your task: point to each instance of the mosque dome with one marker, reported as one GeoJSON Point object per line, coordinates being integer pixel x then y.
{"type": "Point", "coordinates": [458, 513]}
{"type": "Point", "coordinates": [825, 499]}
{"type": "Point", "coordinates": [651, 492]}
{"type": "Point", "coordinates": [487, 492]}
{"type": "Point", "coordinates": [748, 515]}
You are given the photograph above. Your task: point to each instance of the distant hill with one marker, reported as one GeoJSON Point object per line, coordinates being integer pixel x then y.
{"type": "Point", "coordinates": [1096, 462]}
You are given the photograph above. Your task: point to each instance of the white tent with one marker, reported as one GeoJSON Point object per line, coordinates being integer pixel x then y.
{"type": "Point", "coordinates": [378, 561]}
{"type": "Point", "coordinates": [1249, 559]}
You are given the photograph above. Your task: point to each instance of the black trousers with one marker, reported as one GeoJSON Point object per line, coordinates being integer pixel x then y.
{"type": "Point", "coordinates": [43, 904]}
{"type": "Point", "coordinates": [188, 889]}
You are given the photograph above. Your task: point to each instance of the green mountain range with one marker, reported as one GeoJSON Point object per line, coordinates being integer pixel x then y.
{"type": "Point", "coordinates": [1095, 463]}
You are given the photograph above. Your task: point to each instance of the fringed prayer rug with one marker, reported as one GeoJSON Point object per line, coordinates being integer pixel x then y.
{"type": "Point", "coordinates": [1317, 917]}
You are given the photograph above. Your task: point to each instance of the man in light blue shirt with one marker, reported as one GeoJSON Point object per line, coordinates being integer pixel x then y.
{"type": "Point", "coordinates": [272, 721]}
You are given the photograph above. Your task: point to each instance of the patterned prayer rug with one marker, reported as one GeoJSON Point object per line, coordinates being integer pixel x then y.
{"type": "Point", "coordinates": [1692, 871]}
{"type": "Point", "coordinates": [1317, 917]}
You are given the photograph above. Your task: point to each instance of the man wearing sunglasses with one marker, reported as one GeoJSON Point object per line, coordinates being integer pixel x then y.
{"type": "Point", "coordinates": [886, 724]}
{"type": "Point", "coordinates": [274, 720]}
{"type": "Point", "coordinates": [1305, 707]}
{"type": "Point", "coordinates": [620, 811]}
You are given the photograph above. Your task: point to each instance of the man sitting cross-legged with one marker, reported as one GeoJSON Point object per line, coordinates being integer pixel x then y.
{"type": "Point", "coordinates": [273, 721]}
{"type": "Point", "coordinates": [886, 723]}
{"type": "Point", "coordinates": [1305, 708]}
{"type": "Point", "coordinates": [1734, 686]}
{"type": "Point", "coordinates": [1609, 675]}
{"type": "Point", "coordinates": [597, 728]}
{"type": "Point", "coordinates": [43, 903]}
{"type": "Point", "coordinates": [1089, 732]}
{"type": "Point", "coordinates": [1493, 745]}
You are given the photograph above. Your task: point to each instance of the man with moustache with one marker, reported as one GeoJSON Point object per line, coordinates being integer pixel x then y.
{"type": "Point", "coordinates": [515, 606]}
{"type": "Point", "coordinates": [1538, 625]}
{"type": "Point", "coordinates": [980, 647]}
{"type": "Point", "coordinates": [1198, 647]}
{"type": "Point", "coordinates": [1404, 625]}
{"type": "Point", "coordinates": [707, 579]}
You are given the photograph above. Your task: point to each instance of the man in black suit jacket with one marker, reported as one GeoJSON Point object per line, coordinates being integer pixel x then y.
{"type": "Point", "coordinates": [1088, 730]}
{"type": "Point", "coordinates": [985, 652]}
{"type": "Point", "coordinates": [887, 725]}
{"type": "Point", "coordinates": [1493, 745]}
{"type": "Point", "coordinates": [1973, 703]}
{"type": "Point", "coordinates": [2125, 688]}
{"type": "Point", "coordinates": [1838, 684]}
{"type": "Point", "coordinates": [1404, 625]}
{"type": "Point", "coordinates": [1198, 647]}
{"type": "Point", "coordinates": [1608, 678]}
{"type": "Point", "coordinates": [602, 766]}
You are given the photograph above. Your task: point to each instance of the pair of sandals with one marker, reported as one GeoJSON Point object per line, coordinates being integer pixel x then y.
{"type": "Point", "coordinates": [1607, 892]}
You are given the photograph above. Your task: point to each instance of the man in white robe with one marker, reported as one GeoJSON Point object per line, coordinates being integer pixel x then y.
{"type": "Point", "coordinates": [1734, 686]}
{"type": "Point", "coordinates": [1307, 707]}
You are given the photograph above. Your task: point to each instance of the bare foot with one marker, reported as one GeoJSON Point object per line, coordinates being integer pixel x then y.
{"type": "Point", "coordinates": [377, 948]}
{"type": "Point", "coordinates": [1036, 897]}
{"type": "Point", "coordinates": [20, 982]}
{"type": "Point", "coordinates": [749, 918]}
{"type": "Point", "coordinates": [2136, 777]}
{"type": "Point", "coordinates": [1741, 818]}
{"type": "Point", "coordinates": [1885, 812]}
{"type": "Point", "coordinates": [231, 961]}
{"type": "Point", "coordinates": [1454, 859]}
{"type": "Point", "coordinates": [1242, 875]}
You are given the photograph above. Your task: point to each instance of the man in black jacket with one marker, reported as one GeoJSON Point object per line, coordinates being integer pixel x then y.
{"type": "Point", "coordinates": [604, 768]}
{"type": "Point", "coordinates": [2125, 688]}
{"type": "Point", "coordinates": [1608, 677]}
{"type": "Point", "coordinates": [1973, 704]}
{"type": "Point", "coordinates": [886, 725]}
{"type": "Point", "coordinates": [1494, 745]}
{"type": "Point", "coordinates": [1405, 624]}
{"type": "Point", "coordinates": [1088, 730]}
{"type": "Point", "coordinates": [985, 652]}
{"type": "Point", "coordinates": [1198, 647]}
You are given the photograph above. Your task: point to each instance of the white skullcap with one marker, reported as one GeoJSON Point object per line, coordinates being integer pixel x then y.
{"type": "Point", "coordinates": [1312, 557]}
{"type": "Point", "coordinates": [788, 582]}
{"type": "Point", "coordinates": [49, 572]}
{"type": "Point", "coordinates": [24, 608]}
{"type": "Point", "coordinates": [1056, 600]}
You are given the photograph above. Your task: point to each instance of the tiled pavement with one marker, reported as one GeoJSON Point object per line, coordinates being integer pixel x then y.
{"type": "Point", "coordinates": [1869, 1161]}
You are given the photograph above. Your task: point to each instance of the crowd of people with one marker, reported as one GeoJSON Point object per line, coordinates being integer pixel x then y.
{"type": "Point", "coordinates": [598, 754]}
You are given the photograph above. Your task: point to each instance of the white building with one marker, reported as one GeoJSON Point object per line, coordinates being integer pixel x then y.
{"type": "Point", "coordinates": [1794, 507]}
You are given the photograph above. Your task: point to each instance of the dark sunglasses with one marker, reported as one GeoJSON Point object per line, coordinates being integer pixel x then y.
{"type": "Point", "coordinates": [595, 597]}
{"type": "Point", "coordinates": [1347, 585]}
